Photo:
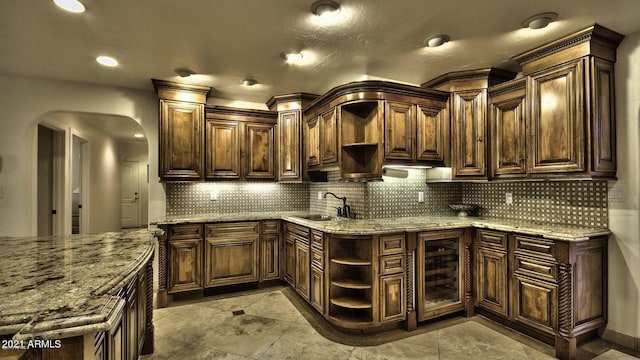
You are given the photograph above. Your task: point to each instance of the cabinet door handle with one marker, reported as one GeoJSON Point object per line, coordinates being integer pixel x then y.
{"type": "Point", "coordinates": [480, 139]}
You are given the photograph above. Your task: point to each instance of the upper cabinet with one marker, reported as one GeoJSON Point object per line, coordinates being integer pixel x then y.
{"type": "Point", "coordinates": [289, 135]}
{"type": "Point", "coordinates": [181, 130]}
{"type": "Point", "coordinates": [240, 144]}
{"type": "Point", "coordinates": [359, 127]}
{"type": "Point", "coordinates": [507, 123]}
{"type": "Point", "coordinates": [571, 105]}
{"type": "Point", "coordinates": [469, 143]}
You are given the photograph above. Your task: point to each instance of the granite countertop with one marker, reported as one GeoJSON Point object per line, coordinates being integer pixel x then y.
{"type": "Point", "coordinates": [63, 286]}
{"type": "Point", "coordinates": [405, 224]}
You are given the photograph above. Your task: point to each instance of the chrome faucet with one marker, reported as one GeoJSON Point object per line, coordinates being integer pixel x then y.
{"type": "Point", "coordinates": [345, 211]}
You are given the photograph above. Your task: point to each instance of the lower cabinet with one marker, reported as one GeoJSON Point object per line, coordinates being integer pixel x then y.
{"type": "Point", "coordinates": [117, 339]}
{"type": "Point", "coordinates": [552, 288]}
{"type": "Point", "coordinates": [303, 265]}
{"type": "Point", "coordinates": [289, 272]}
{"type": "Point", "coordinates": [316, 296]}
{"type": "Point", "coordinates": [392, 297]}
{"type": "Point", "coordinates": [184, 258]}
{"type": "Point", "coordinates": [231, 253]}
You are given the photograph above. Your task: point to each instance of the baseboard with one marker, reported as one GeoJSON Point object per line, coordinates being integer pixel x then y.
{"type": "Point", "coordinates": [622, 339]}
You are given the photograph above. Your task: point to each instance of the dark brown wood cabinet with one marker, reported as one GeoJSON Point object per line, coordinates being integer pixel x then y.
{"type": "Point", "coordinates": [184, 258]}
{"type": "Point", "coordinates": [361, 134]}
{"type": "Point", "coordinates": [329, 138]}
{"type": "Point", "coordinates": [432, 134]}
{"type": "Point", "coordinates": [312, 141]}
{"type": "Point", "coordinates": [303, 267]}
{"type": "Point", "coordinates": [491, 272]}
{"type": "Point", "coordinates": [223, 149]}
{"type": "Point", "coordinates": [399, 135]}
{"type": "Point", "coordinates": [508, 129]}
{"type": "Point", "coordinates": [571, 105]}
{"type": "Point", "coordinates": [240, 144]}
{"type": "Point", "coordinates": [231, 253]}
{"type": "Point", "coordinates": [270, 250]}
{"type": "Point", "coordinates": [181, 130]}
{"type": "Point", "coordinates": [469, 125]}
{"type": "Point", "coordinates": [117, 338]}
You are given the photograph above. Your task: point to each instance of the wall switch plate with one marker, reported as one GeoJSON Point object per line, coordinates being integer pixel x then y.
{"type": "Point", "coordinates": [213, 195]}
{"type": "Point", "coordinates": [508, 198]}
{"type": "Point", "coordinates": [319, 195]}
{"type": "Point", "coordinates": [420, 196]}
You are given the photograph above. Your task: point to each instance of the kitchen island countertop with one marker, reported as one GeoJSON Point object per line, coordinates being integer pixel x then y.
{"type": "Point", "coordinates": [63, 286]}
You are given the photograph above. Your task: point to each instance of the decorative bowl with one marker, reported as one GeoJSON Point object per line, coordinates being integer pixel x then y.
{"type": "Point", "coordinates": [464, 209]}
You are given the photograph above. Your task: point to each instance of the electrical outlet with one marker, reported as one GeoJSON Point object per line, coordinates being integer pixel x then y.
{"type": "Point", "coordinates": [420, 196]}
{"type": "Point", "coordinates": [508, 198]}
{"type": "Point", "coordinates": [213, 195]}
{"type": "Point", "coordinates": [319, 196]}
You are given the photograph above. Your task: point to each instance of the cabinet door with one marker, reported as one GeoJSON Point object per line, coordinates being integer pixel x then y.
{"type": "Point", "coordinates": [399, 125]}
{"type": "Point", "coordinates": [392, 297]}
{"type": "Point", "coordinates": [508, 141]}
{"type": "Point", "coordinates": [184, 265]}
{"type": "Point", "coordinates": [117, 338]}
{"type": "Point", "coordinates": [260, 151]}
{"type": "Point", "coordinates": [270, 265]}
{"type": "Point", "coordinates": [312, 141]}
{"type": "Point", "coordinates": [132, 320]}
{"type": "Point", "coordinates": [303, 264]}
{"type": "Point", "coordinates": [289, 159]}
{"type": "Point", "coordinates": [535, 303]}
{"type": "Point", "coordinates": [316, 297]}
{"type": "Point", "coordinates": [556, 102]}
{"type": "Point", "coordinates": [329, 137]}
{"type": "Point", "coordinates": [491, 280]}
{"type": "Point", "coordinates": [432, 134]}
{"type": "Point", "coordinates": [223, 149]}
{"type": "Point", "coordinates": [231, 254]}
{"type": "Point", "coordinates": [603, 136]}
{"type": "Point", "coordinates": [469, 132]}
{"type": "Point", "coordinates": [290, 261]}
{"type": "Point", "coordinates": [142, 307]}
{"type": "Point", "coordinates": [180, 140]}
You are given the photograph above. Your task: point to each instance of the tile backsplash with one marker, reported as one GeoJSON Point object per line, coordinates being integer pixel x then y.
{"type": "Point", "coordinates": [234, 196]}
{"type": "Point", "coordinates": [567, 202]}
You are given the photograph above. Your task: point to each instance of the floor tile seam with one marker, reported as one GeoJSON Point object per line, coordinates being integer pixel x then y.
{"type": "Point", "coordinates": [275, 341]}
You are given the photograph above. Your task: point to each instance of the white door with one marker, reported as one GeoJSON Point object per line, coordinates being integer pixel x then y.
{"type": "Point", "coordinates": [130, 194]}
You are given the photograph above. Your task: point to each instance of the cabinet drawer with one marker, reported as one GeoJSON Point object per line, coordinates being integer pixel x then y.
{"type": "Point", "coordinates": [232, 229]}
{"type": "Point", "coordinates": [317, 259]}
{"type": "Point", "coordinates": [392, 244]}
{"type": "Point", "coordinates": [538, 247]}
{"type": "Point", "coordinates": [492, 239]}
{"type": "Point", "coordinates": [392, 264]}
{"type": "Point", "coordinates": [538, 268]}
{"type": "Point", "coordinates": [190, 231]}
{"type": "Point", "coordinates": [317, 239]}
{"type": "Point", "coordinates": [297, 230]}
{"type": "Point", "coordinates": [271, 227]}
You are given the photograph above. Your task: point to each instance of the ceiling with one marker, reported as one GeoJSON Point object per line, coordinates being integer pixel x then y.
{"type": "Point", "coordinates": [228, 41]}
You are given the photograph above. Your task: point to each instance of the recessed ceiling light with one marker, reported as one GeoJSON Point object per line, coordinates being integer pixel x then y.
{"type": "Point", "coordinates": [139, 136]}
{"type": "Point", "coordinates": [73, 6]}
{"type": "Point", "coordinates": [539, 21]}
{"type": "Point", "coordinates": [184, 72]}
{"type": "Point", "coordinates": [325, 8]}
{"type": "Point", "coordinates": [249, 82]}
{"type": "Point", "coordinates": [291, 57]}
{"type": "Point", "coordinates": [436, 40]}
{"type": "Point", "coordinates": [107, 61]}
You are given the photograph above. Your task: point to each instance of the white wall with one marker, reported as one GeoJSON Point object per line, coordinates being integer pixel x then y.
{"type": "Point", "coordinates": [624, 216]}
{"type": "Point", "coordinates": [26, 102]}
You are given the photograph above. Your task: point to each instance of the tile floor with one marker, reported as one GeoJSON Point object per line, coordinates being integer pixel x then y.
{"type": "Point", "coordinates": [274, 326]}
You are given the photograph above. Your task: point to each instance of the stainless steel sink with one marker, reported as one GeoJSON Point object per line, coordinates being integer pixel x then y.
{"type": "Point", "coordinates": [317, 217]}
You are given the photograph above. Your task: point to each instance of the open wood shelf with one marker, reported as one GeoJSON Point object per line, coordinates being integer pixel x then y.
{"type": "Point", "coordinates": [351, 284]}
{"type": "Point", "coordinates": [351, 303]}
{"type": "Point", "coordinates": [351, 261]}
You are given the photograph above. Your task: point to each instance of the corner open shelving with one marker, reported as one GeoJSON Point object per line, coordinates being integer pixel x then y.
{"type": "Point", "coordinates": [361, 133]}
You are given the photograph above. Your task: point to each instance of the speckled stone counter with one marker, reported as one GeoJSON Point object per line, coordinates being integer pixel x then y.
{"type": "Point", "coordinates": [60, 287]}
{"type": "Point", "coordinates": [406, 224]}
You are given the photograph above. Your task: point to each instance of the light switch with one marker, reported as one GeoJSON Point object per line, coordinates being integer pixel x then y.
{"type": "Point", "coordinates": [508, 198]}
{"type": "Point", "coordinates": [213, 195]}
{"type": "Point", "coordinates": [420, 196]}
